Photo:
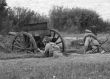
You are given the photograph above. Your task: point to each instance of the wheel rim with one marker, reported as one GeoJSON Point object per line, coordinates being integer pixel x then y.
{"type": "Point", "coordinates": [57, 38]}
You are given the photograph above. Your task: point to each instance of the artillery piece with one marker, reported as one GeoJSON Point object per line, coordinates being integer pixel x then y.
{"type": "Point", "coordinates": [31, 37]}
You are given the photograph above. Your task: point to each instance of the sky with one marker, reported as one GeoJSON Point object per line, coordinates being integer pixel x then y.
{"type": "Point", "coordinates": [44, 6]}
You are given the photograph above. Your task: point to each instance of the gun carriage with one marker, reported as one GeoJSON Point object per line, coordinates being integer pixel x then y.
{"type": "Point", "coordinates": [31, 37]}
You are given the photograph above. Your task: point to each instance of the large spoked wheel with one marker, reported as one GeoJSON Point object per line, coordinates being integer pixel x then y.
{"type": "Point", "coordinates": [24, 42]}
{"type": "Point", "coordinates": [57, 38]}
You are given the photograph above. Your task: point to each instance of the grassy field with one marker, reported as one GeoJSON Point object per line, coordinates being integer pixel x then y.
{"type": "Point", "coordinates": [75, 66]}
{"type": "Point", "coordinates": [94, 66]}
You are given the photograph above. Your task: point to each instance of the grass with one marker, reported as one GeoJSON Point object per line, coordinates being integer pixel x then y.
{"type": "Point", "coordinates": [76, 66]}
{"type": "Point", "coordinates": [73, 67]}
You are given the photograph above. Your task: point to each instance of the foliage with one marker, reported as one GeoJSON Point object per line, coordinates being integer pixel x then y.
{"type": "Point", "coordinates": [21, 16]}
{"type": "Point", "coordinates": [3, 14]}
{"type": "Point", "coordinates": [13, 19]}
{"type": "Point", "coordinates": [75, 19]}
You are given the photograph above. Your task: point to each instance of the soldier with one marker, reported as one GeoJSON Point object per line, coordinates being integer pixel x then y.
{"type": "Point", "coordinates": [50, 47]}
{"type": "Point", "coordinates": [90, 42]}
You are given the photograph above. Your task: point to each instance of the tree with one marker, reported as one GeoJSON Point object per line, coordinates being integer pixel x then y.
{"type": "Point", "coordinates": [3, 13]}
{"type": "Point", "coordinates": [21, 16]}
{"type": "Point", "coordinates": [66, 19]}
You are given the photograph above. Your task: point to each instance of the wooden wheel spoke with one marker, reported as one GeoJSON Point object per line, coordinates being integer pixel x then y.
{"type": "Point", "coordinates": [18, 47]}
{"type": "Point", "coordinates": [23, 48]}
{"type": "Point", "coordinates": [17, 39]}
{"type": "Point", "coordinates": [19, 44]}
{"type": "Point", "coordinates": [59, 42]}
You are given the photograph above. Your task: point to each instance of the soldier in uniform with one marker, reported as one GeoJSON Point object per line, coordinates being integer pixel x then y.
{"type": "Point", "coordinates": [50, 47]}
{"type": "Point", "coordinates": [90, 42]}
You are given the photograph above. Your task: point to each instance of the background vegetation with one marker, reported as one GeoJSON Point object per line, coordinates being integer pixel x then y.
{"type": "Point", "coordinates": [73, 20]}
{"type": "Point", "coordinates": [76, 19]}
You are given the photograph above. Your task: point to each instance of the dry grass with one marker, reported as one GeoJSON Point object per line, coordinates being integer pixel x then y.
{"type": "Point", "coordinates": [74, 67]}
